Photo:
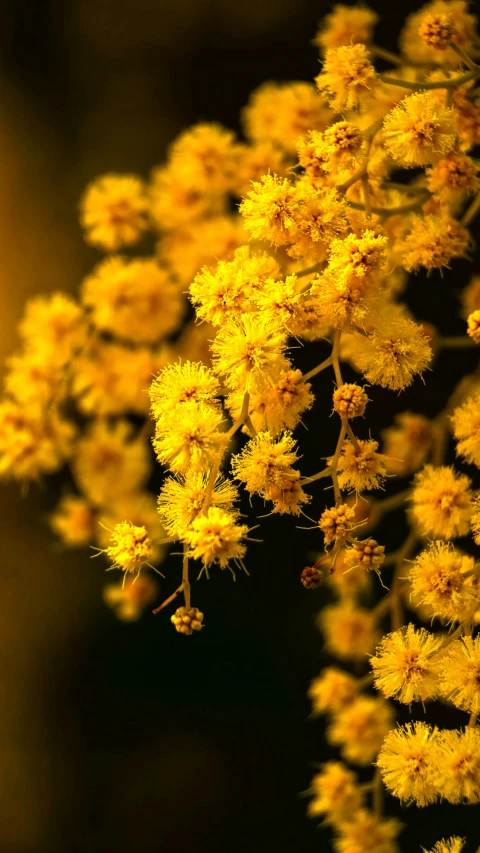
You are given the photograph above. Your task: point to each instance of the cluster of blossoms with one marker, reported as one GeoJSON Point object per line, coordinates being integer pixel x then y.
{"type": "Point", "coordinates": [305, 231]}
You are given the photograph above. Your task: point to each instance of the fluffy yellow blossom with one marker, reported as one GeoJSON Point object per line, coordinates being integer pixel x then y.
{"type": "Point", "coordinates": [437, 577]}
{"type": "Point", "coordinates": [129, 598]}
{"type": "Point", "coordinates": [466, 429]}
{"type": "Point", "coordinates": [454, 844]}
{"type": "Point", "coordinates": [473, 326]}
{"type": "Point", "coordinates": [323, 155]}
{"type": "Point", "coordinates": [269, 210]}
{"type": "Point", "coordinates": [265, 465]}
{"type": "Point", "coordinates": [361, 257]}
{"type": "Point", "coordinates": [187, 620]}
{"type": "Point", "coordinates": [453, 176]}
{"type": "Point", "coordinates": [346, 25]}
{"type": "Point", "coordinates": [392, 355]}
{"type": "Point", "coordinates": [113, 211]}
{"type": "Point", "coordinates": [110, 461]}
{"type": "Point", "coordinates": [336, 522]}
{"type": "Point", "coordinates": [433, 242]}
{"type": "Point", "coordinates": [365, 832]}
{"type": "Point", "coordinates": [177, 383]}
{"type": "Point", "coordinates": [281, 112]}
{"type": "Point", "coordinates": [216, 537]}
{"type": "Point", "coordinates": [278, 406]}
{"type": "Point", "coordinates": [460, 765]}
{"type": "Point", "coordinates": [191, 437]}
{"type": "Point", "coordinates": [442, 502]}
{"type": "Point", "coordinates": [198, 244]}
{"type": "Point", "coordinates": [418, 131]}
{"type": "Point", "coordinates": [335, 792]}
{"type": "Point", "coordinates": [333, 690]}
{"type": "Point", "coordinates": [52, 326]}
{"type": "Point", "coordinates": [347, 77]}
{"type": "Point", "coordinates": [407, 443]}
{"type": "Point", "coordinates": [319, 218]}
{"type": "Point", "coordinates": [476, 519]}
{"type": "Point", "coordinates": [74, 521]}
{"type": "Point", "coordinates": [349, 401]}
{"type": "Point", "coordinates": [350, 632]}
{"type": "Point", "coordinates": [253, 161]}
{"type": "Point", "coordinates": [419, 50]}
{"type": "Point", "coordinates": [206, 154]}
{"type": "Point", "coordinates": [141, 510]}
{"type": "Point", "coordinates": [437, 30]}
{"type": "Point", "coordinates": [460, 674]}
{"type": "Point", "coordinates": [360, 467]}
{"type": "Point", "coordinates": [35, 379]}
{"type": "Point", "coordinates": [33, 443]}
{"type": "Point", "coordinates": [405, 665]}
{"type": "Point", "coordinates": [136, 300]}
{"type": "Point", "coordinates": [225, 291]}
{"type": "Point", "coordinates": [176, 203]}
{"type": "Point", "coordinates": [248, 352]}
{"type": "Point", "coordinates": [360, 728]}
{"type": "Point", "coordinates": [343, 301]}
{"type": "Point", "coordinates": [314, 158]}
{"type": "Point", "coordinates": [130, 547]}
{"type": "Point", "coordinates": [182, 497]}
{"type": "Point", "coordinates": [410, 761]}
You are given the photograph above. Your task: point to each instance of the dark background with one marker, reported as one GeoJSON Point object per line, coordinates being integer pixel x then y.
{"type": "Point", "coordinates": [121, 737]}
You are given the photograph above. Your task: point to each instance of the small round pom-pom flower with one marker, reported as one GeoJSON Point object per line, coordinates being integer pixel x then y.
{"type": "Point", "coordinates": [365, 832]}
{"type": "Point", "coordinates": [366, 554]}
{"type": "Point", "coordinates": [187, 620]}
{"type": "Point", "coordinates": [269, 210]}
{"type": "Point", "coordinates": [336, 522]}
{"type": "Point", "coordinates": [129, 598]}
{"type": "Point", "coordinates": [349, 401]}
{"type": "Point", "coordinates": [460, 765]}
{"type": "Point", "coordinates": [347, 77]}
{"type": "Point", "coordinates": [404, 665]}
{"type": "Point", "coordinates": [407, 443]}
{"type": "Point", "coordinates": [182, 497]}
{"type": "Point", "coordinates": [441, 502]}
{"type": "Point", "coordinates": [437, 30]}
{"type": "Point", "coordinates": [130, 548]}
{"type": "Point", "coordinates": [110, 461]}
{"type": "Point", "coordinates": [392, 356]}
{"type": "Point", "coordinates": [454, 844]}
{"type": "Point", "coordinates": [350, 631]}
{"type": "Point", "coordinates": [360, 728]}
{"type": "Point", "coordinates": [346, 25]}
{"type": "Point", "coordinates": [333, 690]}
{"type": "Point", "coordinates": [280, 113]}
{"type": "Point", "coordinates": [190, 382]}
{"type": "Point", "coordinates": [473, 326]}
{"type": "Point", "coordinates": [418, 131]}
{"type": "Point", "coordinates": [319, 219]}
{"type": "Point", "coordinates": [343, 142]}
{"type": "Point", "coordinates": [52, 327]}
{"type": "Point", "coordinates": [335, 792]}
{"type": "Point", "coordinates": [205, 153]}
{"type": "Point", "coordinates": [453, 176]}
{"type": "Point", "coordinates": [460, 674]}
{"type": "Point", "coordinates": [360, 467]}
{"type": "Point", "coordinates": [466, 429]}
{"type": "Point", "coordinates": [409, 762]}
{"type": "Point", "coordinates": [249, 352]}
{"type": "Point", "coordinates": [438, 579]}
{"type": "Point", "coordinates": [265, 465]}
{"type": "Point", "coordinates": [191, 437]}
{"type": "Point", "coordinates": [113, 211]}
{"type": "Point", "coordinates": [311, 577]}
{"type": "Point", "coordinates": [433, 242]}
{"type": "Point", "coordinates": [216, 538]}
{"type": "Point", "coordinates": [74, 521]}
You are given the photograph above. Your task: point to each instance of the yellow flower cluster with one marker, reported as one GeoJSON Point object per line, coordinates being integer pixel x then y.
{"type": "Point", "coordinates": [301, 234]}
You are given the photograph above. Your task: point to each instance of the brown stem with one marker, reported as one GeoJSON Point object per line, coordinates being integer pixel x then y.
{"type": "Point", "coordinates": [185, 580]}
{"type": "Point", "coordinates": [168, 600]}
{"type": "Point", "coordinates": [471, 212]}
{"type": "Point", "coordinates": [440, 84]}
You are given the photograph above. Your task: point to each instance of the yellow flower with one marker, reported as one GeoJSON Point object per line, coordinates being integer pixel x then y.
{"type": "Point", "coordinates": [136, 300]}
{"type": "Point", "coordinates": [365, 832]}
{"type": "Point", "coordinates": [182, 497]}
{"type": "Point", "coordinates": [418, 131]}
{"type": "Point", "coordinates": [347, 77]}
{"type": "Point", "coordinates": [418, 50]}
{"type": "Point", "coordinates": [410, 763]}
{"type": "Point", "coordinates": [360, 467]}
{"type": "Point", "coordinates": [407, 443]}
{"type": "Point", "coordinates": [52, 326]}
{"type": "Point", "coordinates": [190, 437]}
{"type": "Point", "coordinates": [130, 547]}
{"type": "Point", "coordinates": [281, 112]}
{"type": "Point", "coordinates": [404, 665]}
{"type": "Point", "coordinates": [454, 844]}
{"type": "Point", "coordinates": [350, 632]}
{"type": "Point", "coordinates": [343, 301]}
{"type": "Point", "coordinates": [466, 429]}
{"type": "Point", "coordinates": [253, 161]}
{"type": "Point", "coordinates": [452, 177]}
{"type": "Point", "coordinates": [177, 384]}
{"type": "Point", "coordinates": [392, 355]}
{"type": "Point", "coordinates": [318, 219]}
{"type": "Point", "coordinates": [141, 510]}
{"type": "Point", "coordinates": [177, 203]}
{"type": "Point", "coordinates": [187, 620]}
{"type": "Point", "coordinates": [278, 406]}
{"type": "Point", "coordinates": [333, 690]}
{"type": "Point", "coordinates": [206, 155]}
{"type": "Point", "coordinates": [113, 211]}
{"type": "Point", "coordinates": [265, 465]}
{"type": "Point", "coordinates": [442, 502]}
{"type": "Point", "coordinates": [361, 257]}
{"type": "Point", "coordinates": [437, 578]}
{"type": "Point", "coordinates": [346, 25]}
{"type": "Point", "coordinates": [269, 210]}
{"type": "Point", "coordinates": [33, 443]}
{"type": "Point", "coordinates": [74, 521]}
{"type": "Point", "coordinates": [460, 674]}
{"type": "Point", "coordinates": [360, 728]}
{"type": "Point", "coordinates": [129, 598]}
{"type": "Point", "coordinates": [460, 765]}
{"type": "Point", "coordinates": [473, 328]}
{"type": "Point", "coordinates": [336, 522]}
{"type": "Point", "coordinates": [349, 401]}
{"type": "Point", "coordinates": [216, 537]}
{"type": "Point", "coordinates": [433, 242]}
{"type": "Point", "coordinates": [202, 242]}
{"type": "Point", "coordinates": [110, 461]}
{"type": "Point", "coordinates": [248, 352]}
{"type": "Point", "coordinates": [364, 554]}
{"type": "Point", "coordinates": [437, 30]}
{"type": "Point", "coordinates": [335, 792]}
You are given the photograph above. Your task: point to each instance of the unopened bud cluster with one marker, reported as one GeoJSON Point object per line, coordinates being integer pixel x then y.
{"type": "Point", "coordinates": [187, 620]}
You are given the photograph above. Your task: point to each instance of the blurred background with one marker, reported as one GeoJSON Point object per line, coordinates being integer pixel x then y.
{"type": "Point", "coordinates": [122, 737]}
